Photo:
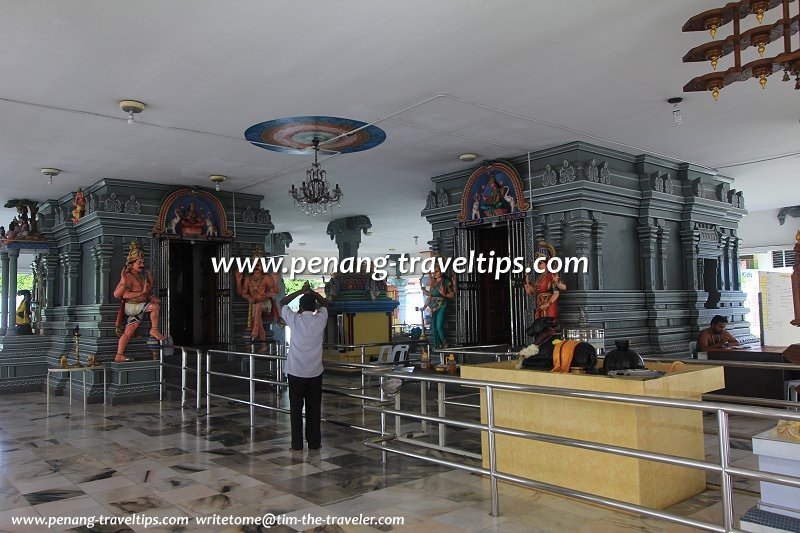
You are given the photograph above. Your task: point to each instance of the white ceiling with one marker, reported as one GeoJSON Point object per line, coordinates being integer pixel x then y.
{"type": "Point", "coordinates": [603, 68]}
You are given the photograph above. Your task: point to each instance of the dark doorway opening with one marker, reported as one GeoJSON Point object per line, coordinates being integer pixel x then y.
{"type": "Point", "coordinates": [495, 295]}
{"type": "Point", "coordinates": [192, 294]}
{"type": "Point", "coordinates": [711, 283]}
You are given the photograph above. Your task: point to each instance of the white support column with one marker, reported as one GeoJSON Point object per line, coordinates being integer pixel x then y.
{"type": "Point", "coordinates": [401, 298]}
{"type": "Point", "coordinates": [13, 255]}
{"type": "Point", "coordinates": [4, 303]}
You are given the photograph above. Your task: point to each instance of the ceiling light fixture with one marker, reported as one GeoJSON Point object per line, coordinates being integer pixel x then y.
{"type": "Point", "coordinates": [468, 158]}
{"type": "Point", "coordinates": [50, 173]}
{"type": "Point", "coordinates": [131, 107]}
{"type": "Point", "coordinates": [676, 111]}
{"type": "Point", "coordinates": [217, 179]}
{"type": "Point", "coordinates": [758, 37]}
{"type": "Point", "coordinates": [314, 195]}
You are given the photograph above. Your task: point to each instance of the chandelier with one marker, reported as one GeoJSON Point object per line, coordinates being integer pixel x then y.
{"type": "Point", "coordinates": [314, 196]}
{"type": "Point", "coordinates": [757, 37]}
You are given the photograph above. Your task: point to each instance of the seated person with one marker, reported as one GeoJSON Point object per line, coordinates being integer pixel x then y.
{"type": "Point", "coordinates": [715, 337]}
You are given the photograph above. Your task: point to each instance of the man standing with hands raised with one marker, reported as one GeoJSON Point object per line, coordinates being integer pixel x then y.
{"type": "Point", "coordinates": [304, 364]}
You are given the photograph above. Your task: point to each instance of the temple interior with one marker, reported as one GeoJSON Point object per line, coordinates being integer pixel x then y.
{"type": "Point", "coordinates": [549, 253]}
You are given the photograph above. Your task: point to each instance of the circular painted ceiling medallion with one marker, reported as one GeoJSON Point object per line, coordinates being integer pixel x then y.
{"type": "Point", "coordinates": [295, 135]}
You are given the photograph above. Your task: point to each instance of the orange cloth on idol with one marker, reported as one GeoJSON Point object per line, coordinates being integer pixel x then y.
{"type": "Point", "coordinates": [562, 356]}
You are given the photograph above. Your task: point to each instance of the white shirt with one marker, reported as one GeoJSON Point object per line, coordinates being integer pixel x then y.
{"type": "Point", "coordinates": [305, 345]}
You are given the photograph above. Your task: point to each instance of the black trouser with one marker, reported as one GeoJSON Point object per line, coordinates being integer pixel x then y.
{"type": "Point", "coordinates": [308, 391]}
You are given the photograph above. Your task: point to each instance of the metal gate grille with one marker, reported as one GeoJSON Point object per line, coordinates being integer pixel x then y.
{"type": "Point", "coordinates": [516, 248]}
{"type": "Point", "coordinates": [468, 296]}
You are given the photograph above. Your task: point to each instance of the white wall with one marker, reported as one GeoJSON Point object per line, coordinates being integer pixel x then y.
{"type": "Point", "coordinates": [761, 231]}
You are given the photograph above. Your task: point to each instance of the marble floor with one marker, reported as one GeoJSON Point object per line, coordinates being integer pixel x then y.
{"type": "Point", "coordinates": [158, 460]}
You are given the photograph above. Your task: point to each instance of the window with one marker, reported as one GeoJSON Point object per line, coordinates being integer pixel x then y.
{"type": "Point", "coordinates": [782, 258]}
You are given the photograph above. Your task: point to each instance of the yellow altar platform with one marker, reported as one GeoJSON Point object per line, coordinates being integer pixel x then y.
{"type": "Point", "coordinates": [657, 429]}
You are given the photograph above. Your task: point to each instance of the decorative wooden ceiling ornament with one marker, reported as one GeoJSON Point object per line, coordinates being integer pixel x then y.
{"type": "Point", "coordinates": [758, 37]}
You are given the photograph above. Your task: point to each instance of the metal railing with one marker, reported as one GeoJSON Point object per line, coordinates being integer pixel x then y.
{"type": "Point", "coordinates": [184, 369]}
{"type": "Point", "coordinates": [277, 382]}
{"type": "Point", "coordinates": [724, 468]}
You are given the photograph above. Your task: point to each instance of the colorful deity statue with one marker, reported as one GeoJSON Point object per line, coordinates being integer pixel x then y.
{"type": "Point", "coordinates": [547, 286]}
{"type": "Point", "coordinates": [135, 290]}
{"type": "Point", "coordinates": [23, 319]}
{"type": "Point", "coordinates": [440, 291]}
{"type": "Point", "coordinates": [78, 206]}
{"type": "Point", "coordinates": [259, 288]}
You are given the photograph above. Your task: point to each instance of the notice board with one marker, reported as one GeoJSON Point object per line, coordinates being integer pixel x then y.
{"type": "Point", "coordinates": [777, 309]}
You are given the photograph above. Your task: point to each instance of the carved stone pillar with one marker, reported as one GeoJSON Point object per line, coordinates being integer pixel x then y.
{"type": "Point", "coordinates": [347, 234]}
{"type": "Point", "coordinates": [648, 233]}
{"type": "Point", "coordinates": [598, 231]}
{"type": "Point", "coordinates": [102, 253]}
{"type": "Point", "coordinates": [737, 275]}
{"type": "Point", "coordinates": [726, 266]}
{"type": "Point", "coordinates": [62, 272]}
{"type": "Point", "coordinates": [72, 264]}
{"type": "Point", "coordinates": [581, 228]}
{"type": "Point", "coordinates": [4, 303]}
{"type": "Point", "coordinates": [280, 242]}
{"type": "Point", "coordinates": [540, 233]}
{"type": "Point", "coordinates": [663, 241]}
{"type": "Point", "coordinates": [555, 231]}
{"type": "Point", "coordinates": [690, 241]}
{"type": "Point", "coordinates": [13, 255]}
{"type": "Point", "coordinates": [51, 262]}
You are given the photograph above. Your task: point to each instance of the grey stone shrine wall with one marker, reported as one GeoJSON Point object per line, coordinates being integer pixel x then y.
{"type": "Point", "coordinates": [83, 267]}
{"type": "Point", "coordinates": [660, 236]}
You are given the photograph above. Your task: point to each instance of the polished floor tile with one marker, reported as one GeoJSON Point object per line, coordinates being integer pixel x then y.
{"type": "Point", "coordinates": [160, 461]}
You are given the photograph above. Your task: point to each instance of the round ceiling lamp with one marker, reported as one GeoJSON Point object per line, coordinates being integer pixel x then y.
{"type": "Point", "coordinates": [131, 107]}
{"type": "Point", "coordinates": [50, 173]}
{"type": "Point", "coordinates": [468, 158]}
{"type": "Point", "coordinates": [217, 179]}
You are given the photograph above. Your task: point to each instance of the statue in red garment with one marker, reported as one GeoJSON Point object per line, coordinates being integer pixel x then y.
{"type": "Point", "coordinates": [547, 286]}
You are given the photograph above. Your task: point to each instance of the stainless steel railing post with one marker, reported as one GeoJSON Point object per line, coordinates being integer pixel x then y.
{"type": "Point", "coordinates": [183, 378]}
{"type": "Point", "coordinates": [252, 392]}
{"type": "Point", "coordinates": [198, 378]}
{"type": "Point", "coordinates": [160, 375]}
{"type": "Point", "coordinates": [726, 485]}
{"type": "Point", "coordinates": [492, 452]}
{"type": "Point", "coordinates": [384, 456]}
{"type": "Point", "coordinates": [208, 382]}
{"type": "Point", "coordinates": [442, 427]}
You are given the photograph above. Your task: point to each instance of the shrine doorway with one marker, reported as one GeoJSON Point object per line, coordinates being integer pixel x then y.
{"type": "Point", "coordinates": [495, 296]}
{"type": "Point", "coordinates": [193, 293]}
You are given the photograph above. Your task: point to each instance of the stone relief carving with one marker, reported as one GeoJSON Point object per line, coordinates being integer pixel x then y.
{"type": "Point", "coordinates": [90, 207]}
{"type": "Point", "coordinates": [442, 199]}
{"type": "Point", "coordinates": [263, 216]}
{"type": "Point", "coordinates": [698, 188]}
{"type": "Point", "coordinates": [708, 232]}
{"type": "Point", "coordinates": [668, 185]}
{"type": "Point", "coordinates": [740, 200]}
{"type": "Point", "coordinates": [132, 206]}
{"type": "Point", "coordinates": [430, 202]}
{"type": "Point", "coordinates": [723, 192]}
{"type": "Point", "coordinates": [248, 215]}
{"type": "Point", "coordinates": [113, 204]}
{"type": "Point", "coordinates": [592, 174]}
{"type": "Point", "coordinates": [566, 173]}
{"type": "Point", "coordinates": [549, 177]}
{"type": "Point", "coordinates": [605, 173]}
{"type": "Point", "coordinates": [793, 211]}
{"type": "Point", "coordinates": [658, 182]}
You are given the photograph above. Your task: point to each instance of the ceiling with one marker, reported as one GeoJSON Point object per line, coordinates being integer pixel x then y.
{"type": "Point", "coordinates": [208, 70]}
